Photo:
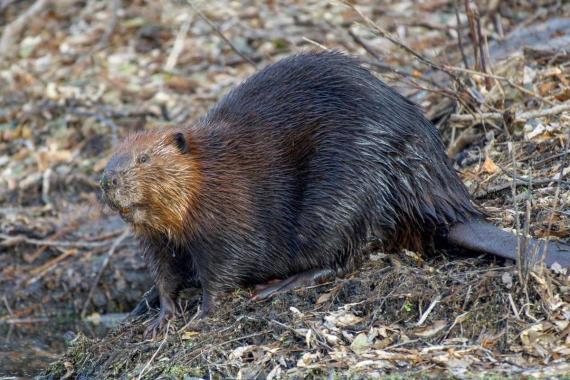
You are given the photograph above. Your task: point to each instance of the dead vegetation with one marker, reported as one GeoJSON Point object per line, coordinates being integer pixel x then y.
{"type": "Point", "coordinates": [76, 76]}
{"type": "Point", "coordinates": [446, 317]}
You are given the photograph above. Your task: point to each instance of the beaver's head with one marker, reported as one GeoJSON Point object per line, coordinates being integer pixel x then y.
{"type": "Point", "coordinates": [152, 180]}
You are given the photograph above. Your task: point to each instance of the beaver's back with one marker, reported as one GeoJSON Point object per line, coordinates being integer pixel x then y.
{"type": "Point", "coordinates": [311, 154]}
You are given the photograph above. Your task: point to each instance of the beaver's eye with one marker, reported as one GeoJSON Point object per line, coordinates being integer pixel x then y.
{"type": "Point", "coordinates": [143, 158]}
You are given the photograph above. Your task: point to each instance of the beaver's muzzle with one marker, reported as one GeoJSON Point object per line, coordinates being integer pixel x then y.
{"type": "Point", "coordinates": [109, 181]}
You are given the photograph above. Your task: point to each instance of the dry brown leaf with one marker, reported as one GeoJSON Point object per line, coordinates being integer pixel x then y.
{"type": "Point", "coordinates": [187, 335]}
{"type": "Point", "coordinates": [563, 95]}
{"type": "Point", "coordinates": [545, 87]}
{"type": "Point", "coordinates": [489, 166]}
{"type": "Point", "coordinates": [181, 85]}
{"type": "Point", "coordinates": [324, 298]}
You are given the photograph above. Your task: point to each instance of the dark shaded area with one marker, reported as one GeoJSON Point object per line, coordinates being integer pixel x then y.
{"type": "Point", "coordinates": [28, 348]}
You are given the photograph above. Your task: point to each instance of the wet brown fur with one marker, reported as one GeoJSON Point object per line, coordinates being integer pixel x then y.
{"type": "Point", "coordinates": [292, 172]}
{"type": "Point", "coordinates": [167, 186]}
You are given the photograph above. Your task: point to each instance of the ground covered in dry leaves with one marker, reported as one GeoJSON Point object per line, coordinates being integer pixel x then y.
{"type": "Point", "coordinates": [77, 76]}
{"type": "Point", "coordinates": [438, 318]}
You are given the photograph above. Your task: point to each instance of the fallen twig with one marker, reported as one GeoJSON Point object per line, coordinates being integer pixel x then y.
{"type": "Point", "coordinates": [474, 18]}
{"type": "Point", "coordinates": [381, 66]}
{"type": "Point", "coordinates": [31, 257]}
{"type": "Point", "coordinates": [472, 14]}
{"type": "Point", "coordinates": [156, 352]}
{"type": "Point", "coordinates": [523, 116]}
{"type": "Point", "coordinates": [5, 300]}
{"type": "Point", "coordinates": [507, 80]}
{"type": "Point", "coordinates": [368, 49]}
{"type": "Point", "coordinates": [178, 45]}
{"type": "Point", "coordinates": [513, 306]}
{"type": "Point", "coordinates": [557, 198]}
{"type": "Point", "coordinates": [384, 33]}
{"type": "Point", "coordinates": [112, 250]}
{"type": "Point", "coordinates": [545, 112]}
{"type": "Point", "coordinates": [17, 321]}
{"type": "Point", "coordinates": [313, 42]}
{"type": "Point", "coordinates": [42, 270]}
{"type": "Point", "coordinates": [516, 183]}
{"type": "Point", "coordinates": [428, 310]}
{"type": "Point", "coordinates": [460, 36]}
{"type": "Point", "coordinates": [554, 156]}
{"type": "Point", "coordinates": [17, 239]}
{"type": "Point", "coordinates": [219, 33]}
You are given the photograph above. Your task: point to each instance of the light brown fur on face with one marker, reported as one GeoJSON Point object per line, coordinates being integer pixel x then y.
{"type": "Point", "coordinates": [157, 181]}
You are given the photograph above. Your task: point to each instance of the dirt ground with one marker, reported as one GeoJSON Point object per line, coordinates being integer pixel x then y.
{"type": "Point", "coordinates": [77, 76]}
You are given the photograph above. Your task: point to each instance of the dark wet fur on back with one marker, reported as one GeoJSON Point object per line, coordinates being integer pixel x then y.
{"type": "Point", "coordinates": [302, 164]}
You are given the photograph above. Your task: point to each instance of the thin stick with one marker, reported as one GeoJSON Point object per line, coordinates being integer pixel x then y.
{"type": "Point", "coordinates": [26, 320]}
{"type": "Point", "coordinates": [513, 306]}
{"type": "Point", "coordinates": [178, 45]}
{"type": "Point", "coordinates": [46, 176]}
{"type": "Point", "coordinates": [520, 239]}
{"type": "Point", "coordinates": [361, 42]}
{"type": "Point", "coordinates": [487, 56]}
{"type": "Point", "coordinates": [41, 271]}
{"type": "Point", "coordinates": [315, 43]}
{"type": "Point", "coordinates": [31, 257]}
{"type": "Point", "coordinates": [472, 14]}
{"type": "Point", "coordinates": [516, 183]}
{"type": "Point", "coordinates": [400, 44]}
{"type": "Point", "coordinates": [498, 77]}
{"type": "Point", "coordinates": [428, 311]}
{"type": "Point", "coordinates": [521, 116]}
{"type": "Point", "coordinates": [13, 240]}
{"type": "Point", "coordinates": [459, 36]}
{"type": "Point", "coordinates": [5, 300]}
{"type": "Point", "coordinates": [112, 250]}
{"type": "Point", "coordinates": [557, 195]}
{"type": "Point", "coordinates": [481, 39]}
{"type": "Point", "coordinates": [378, 63]}
{"type": "Point", "coordinates": [219, 33]}
{"type": "Point", "coordinates": [156, 352]}
{"type": "Point", "coordinates": [499, 26]}
{"type": "Point", "coordinates": [563, 153]}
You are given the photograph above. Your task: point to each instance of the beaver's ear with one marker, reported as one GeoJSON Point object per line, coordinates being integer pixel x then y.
{"type": "Point", "coordinates": [180, 142]}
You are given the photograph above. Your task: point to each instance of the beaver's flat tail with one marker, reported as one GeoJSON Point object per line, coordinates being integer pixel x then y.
{"type": "Point", "coordinates": [481, 236]}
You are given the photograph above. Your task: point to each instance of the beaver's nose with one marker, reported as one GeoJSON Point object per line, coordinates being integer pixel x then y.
{"type": "Point", "coordinates": [109, 180]}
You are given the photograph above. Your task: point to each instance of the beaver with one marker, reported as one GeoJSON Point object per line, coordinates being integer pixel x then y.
{"type": "Point", "coordinates": [288, 177]}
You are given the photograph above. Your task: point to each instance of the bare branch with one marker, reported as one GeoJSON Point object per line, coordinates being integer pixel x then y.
{"type": "Point", "coordinates": [219, 33]}
{"type": "Point", "coordinates": [112, 250]}
{"type": "Point", "coordinates": [523, 116]}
